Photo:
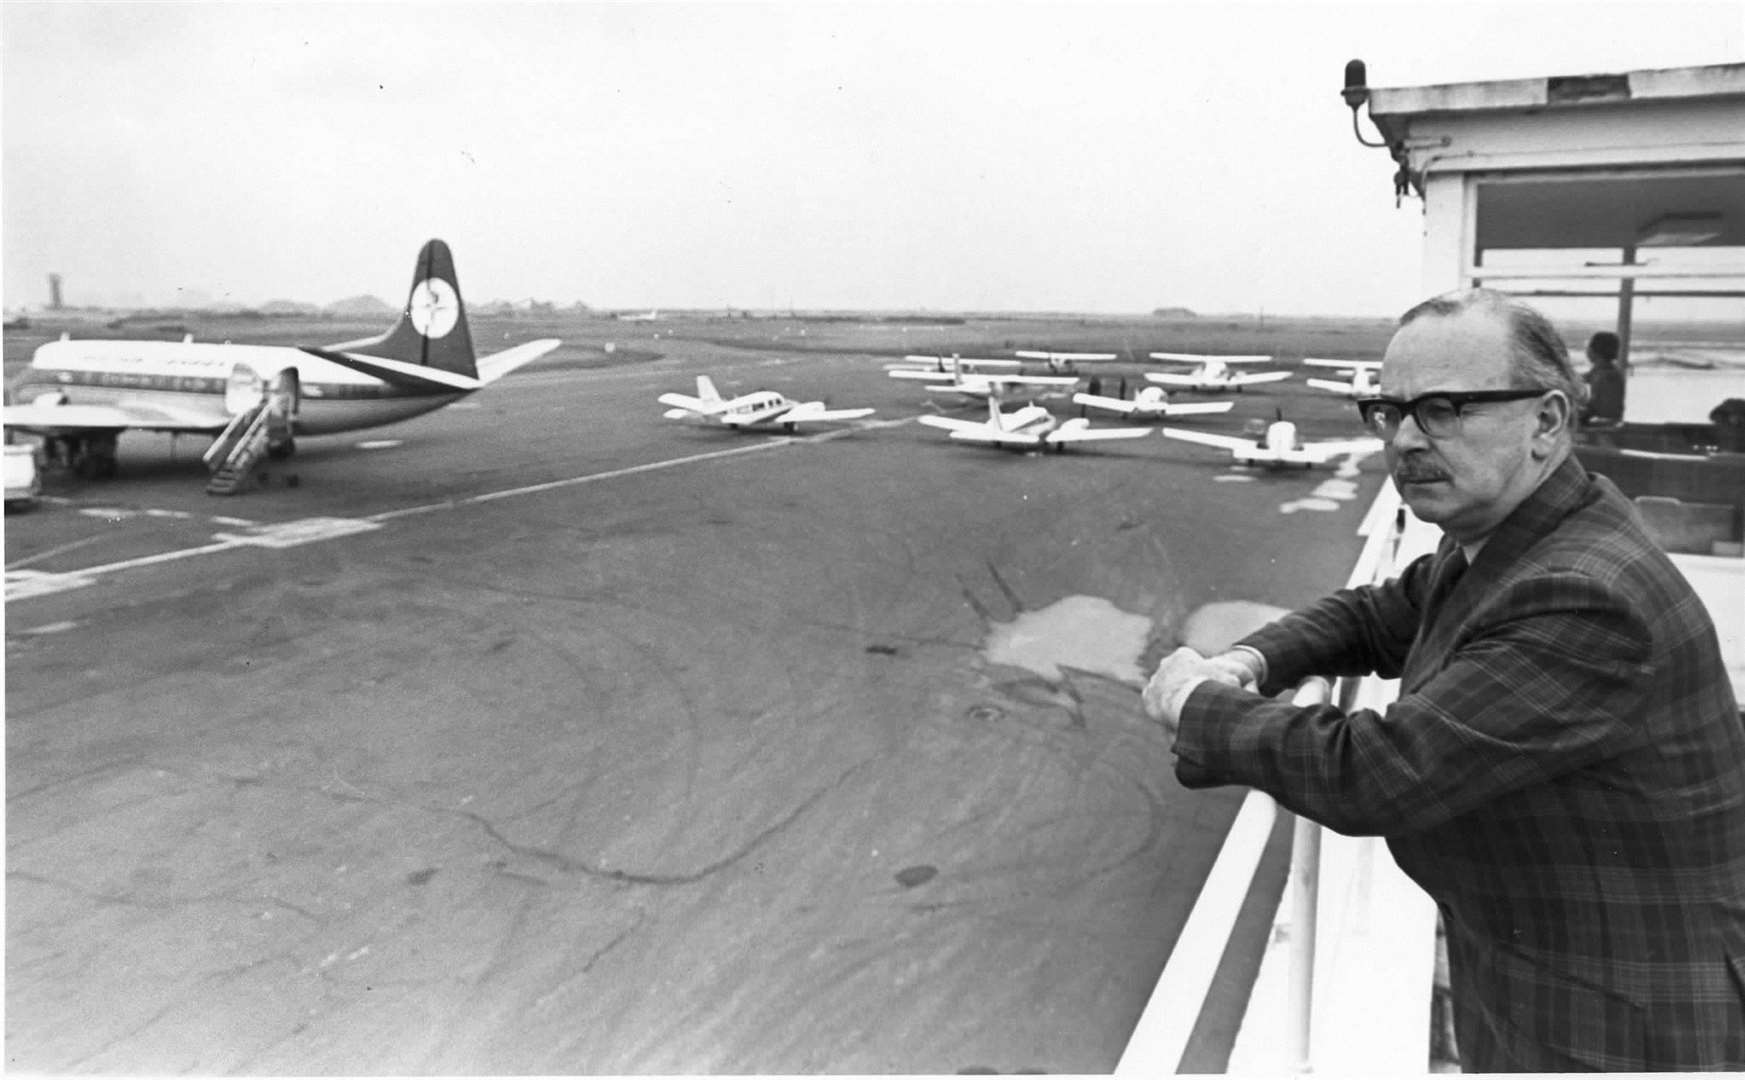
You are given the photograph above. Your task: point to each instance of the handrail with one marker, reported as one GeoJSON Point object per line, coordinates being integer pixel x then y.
{"type": "Point", "coordinates": [1161, 1035]}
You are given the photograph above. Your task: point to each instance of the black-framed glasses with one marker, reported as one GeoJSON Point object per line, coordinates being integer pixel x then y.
{"type": "Point", "coordinates": [1438, 415]}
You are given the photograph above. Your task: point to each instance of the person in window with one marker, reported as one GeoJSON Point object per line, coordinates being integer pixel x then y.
{"type": "Point", "coordinates": [1605, 381]}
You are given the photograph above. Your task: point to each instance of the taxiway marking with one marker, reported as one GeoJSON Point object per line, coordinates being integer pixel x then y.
{"type": "Point", "coordinates": [23, 584]}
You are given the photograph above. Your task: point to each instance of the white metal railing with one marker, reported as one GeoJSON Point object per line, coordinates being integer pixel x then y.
{"type": "Point", "coordinates": [1392, 538]}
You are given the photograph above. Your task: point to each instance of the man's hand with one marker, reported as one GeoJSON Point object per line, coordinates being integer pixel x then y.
{"type": "Point", "coordinates": [1177, 675]}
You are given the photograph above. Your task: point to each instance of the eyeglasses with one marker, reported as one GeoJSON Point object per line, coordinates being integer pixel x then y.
{"type": "Point", "coordinates": [1438, 415]}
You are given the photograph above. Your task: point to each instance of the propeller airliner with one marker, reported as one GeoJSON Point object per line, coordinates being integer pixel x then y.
{"type": "Point", "coordinates": [80, 395]}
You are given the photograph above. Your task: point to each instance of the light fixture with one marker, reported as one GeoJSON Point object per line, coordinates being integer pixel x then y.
{"type": "Point", "coordinates": [1680, 230]}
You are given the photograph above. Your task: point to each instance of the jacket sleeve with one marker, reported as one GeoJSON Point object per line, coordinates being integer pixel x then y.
{"type": "Point", "coordinates": [1361, 631]}
{"type": "Point", "coordinates": [1547, 681]}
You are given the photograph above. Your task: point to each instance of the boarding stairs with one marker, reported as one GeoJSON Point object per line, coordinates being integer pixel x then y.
{"type": "Point", "coordinates": [239, 449]}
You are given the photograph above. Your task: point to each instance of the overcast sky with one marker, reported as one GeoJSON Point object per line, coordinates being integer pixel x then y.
{"type": "Point", "coordinates": [1093, 157]}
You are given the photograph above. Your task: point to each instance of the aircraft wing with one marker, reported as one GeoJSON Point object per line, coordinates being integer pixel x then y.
{"type": "Point", "coordinates": [1330, 384]}
{"type": "Point", "coordinates": [1334, 447]}
{"type": "Point", "coordinates": [48, 419]}
{"type": "Point", "coordinates": [1198, 408]}
{"type": "Point", "coordinates": [1170, 378]}
{"type": "Point", "coordinates": [812, 410]}
{"type": "Point", "coordinates": [982, 433]}
{"type": "Point", "coordinates": [1079, 431]}
{"type": "Point", "coordinates": [1200, 358]}
{"type": "Point", "coordinates": [1074, 357]}
{"type": "Point", "coordinates": [494, 367]}
{"type": "Point", "coordinates": [914, 373]}
{"type": "Point", "coordinates": [1258, 377]}
{"type": "Point", "coordinates": [1033, 380]}
{"type": "Point", "coordinates": [1345, 365]}
{"type": "Point", "coordinates": [410, 376]}
{"type": "Point", "coordinates": [1223, 442]}
{"type": "Point", "coordinates": [1097, 401]}
{"type": "Point", "coordinates": [953, 424]}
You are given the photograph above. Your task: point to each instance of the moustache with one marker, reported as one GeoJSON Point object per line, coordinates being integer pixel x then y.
{"type": "Point", "coordinates": [1417, 470]}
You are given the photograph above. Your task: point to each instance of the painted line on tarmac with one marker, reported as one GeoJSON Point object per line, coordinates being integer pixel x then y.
{"type": "Point", "coordinates": [23, 584]}
{"type": "Point", "coordinates": [553, 485]}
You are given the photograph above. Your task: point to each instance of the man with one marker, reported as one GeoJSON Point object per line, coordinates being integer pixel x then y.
{"type": "Point", "coordinates": [1564, 769]}
{"type": "Point", "coordinates": [1605, 381]}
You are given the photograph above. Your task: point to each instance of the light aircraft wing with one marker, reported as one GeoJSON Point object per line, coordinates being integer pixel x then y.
{"type": "Point", "coordinates": [814, 410]}
{"type": "Point", "coordinates": [1345, 365]}
{"type": "Point", "coordinates": [1097, 401]}
{"type": "Point", "coordinates": [1170, 378]}
{"type": "Point", "coordinates": [1223, 442]}
{"type": "Point", "coordinates": [913, 373]}
{"type": "Point", "coordinates": [1330, 384]}
{"type": "Point", "coordinates": [987, 435]}
{"type": "Point", "coordinates": [400, 373]}
{"type": "Point", "coordinates": [1075, 357]}
{"type": "Point", "coordinates": [1033, 380]}
{"type": "Point", "coordinates": [494, 367]}
{"type": "Point", "coordinates": [1200, 358]}
{"type": "Point", "coordinates": [1334, 447]}
{"type": "Point", "coordinates": [1078, 430]}
{"type": "Point", "coordinates": [1258, 377]}
{"type": "Point", "coordinates": [141, 416]}
{"type": "Point", "coordinates": [1193, 408]}
{"type": "Point", "coordinates": [953, 424]}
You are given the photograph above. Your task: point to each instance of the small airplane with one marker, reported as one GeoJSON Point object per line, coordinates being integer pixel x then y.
{"type": "Point", "coordinates": [1151, 403]}
{"type": "Point", "coordinates": [1212, 373]}
{"type": "Point", "coordinates": [1063, 361]}
{"type": "Point", "coordinates": [760, 409]}
{"type": "Point", "coordinates": [1031, 427]}
{"type": "Point", "coordinates": [982, 385]}
{"type": "Point", "coordinates": [646, 316]}
{"type": "Point", "coordinates": [1361, 375]}
{"type": "Point", "coordinates": [919, 366]}
{"type": "Point", "coordinates": [1278, 447]}
{"type": "Point", "coordinates": [79, 395]}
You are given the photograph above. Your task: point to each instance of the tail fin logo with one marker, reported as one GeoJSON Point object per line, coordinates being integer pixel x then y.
{"type": "Point", "coordinates": [433, 308]}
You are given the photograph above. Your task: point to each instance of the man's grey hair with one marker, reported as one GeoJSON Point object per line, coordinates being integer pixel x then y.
{"type": "Point", "coordinates": [1539, 354]}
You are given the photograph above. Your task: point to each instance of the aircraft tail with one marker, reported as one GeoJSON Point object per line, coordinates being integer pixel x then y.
{"type": "Point", "coordinates": [432, 331]}
{"type": "Point", "coordinates": [706, 391]}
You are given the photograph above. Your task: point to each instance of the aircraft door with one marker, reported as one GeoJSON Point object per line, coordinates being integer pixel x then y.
{"type": "Point", "coordinates": [284, 397]}
{"type": "Point", "coordinates": [243, 390]}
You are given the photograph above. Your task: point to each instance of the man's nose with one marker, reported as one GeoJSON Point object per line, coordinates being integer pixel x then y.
{"type": "Point", "coordinates": [1409, 436]}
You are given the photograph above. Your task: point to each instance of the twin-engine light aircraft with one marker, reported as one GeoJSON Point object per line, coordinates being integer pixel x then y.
{"type": "Point", "coordinates": [972, 383]}
{"type": "Point", "coordinates": [760, 409]}
{"type": "Point", "coordinates": [1279, 447]}
{"type": "Point", "coordinates": [1212, 373]}
{"type": "Point", "coordinates": [1029, 428]}
{"type": "Point", "coordinates": [1152, 403]}
{"type": "Point", "coordinates": [926, 366]}
{"type": "Point", "coordinates": [1360, 376]}
{"type": "Point", "coordinates": [80, 395]}
{"type": "Point", "coordinates": [1064, 361]}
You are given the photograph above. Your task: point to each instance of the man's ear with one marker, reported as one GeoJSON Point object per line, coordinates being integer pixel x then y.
{"type": "Point", "coordinates": [1554, 416]}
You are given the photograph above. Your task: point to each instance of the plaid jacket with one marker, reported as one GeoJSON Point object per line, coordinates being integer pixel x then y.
{"type": "Point", "coordinates": [1563, 772]}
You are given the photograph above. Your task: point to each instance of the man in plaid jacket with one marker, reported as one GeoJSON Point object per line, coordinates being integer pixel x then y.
{"type": "Point", "coordinates": [1564, 769]}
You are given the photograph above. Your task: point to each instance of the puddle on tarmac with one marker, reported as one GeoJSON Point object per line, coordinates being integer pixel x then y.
{"type": "Point", "coordinates": [1084, 632]}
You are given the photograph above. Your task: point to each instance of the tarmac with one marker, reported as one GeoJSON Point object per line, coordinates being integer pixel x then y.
{"type": "Point", "coordinates": [545, 735]}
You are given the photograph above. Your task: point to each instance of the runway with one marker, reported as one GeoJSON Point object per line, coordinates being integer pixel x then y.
{"type": "Point", "coordinates": [544, 735]}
